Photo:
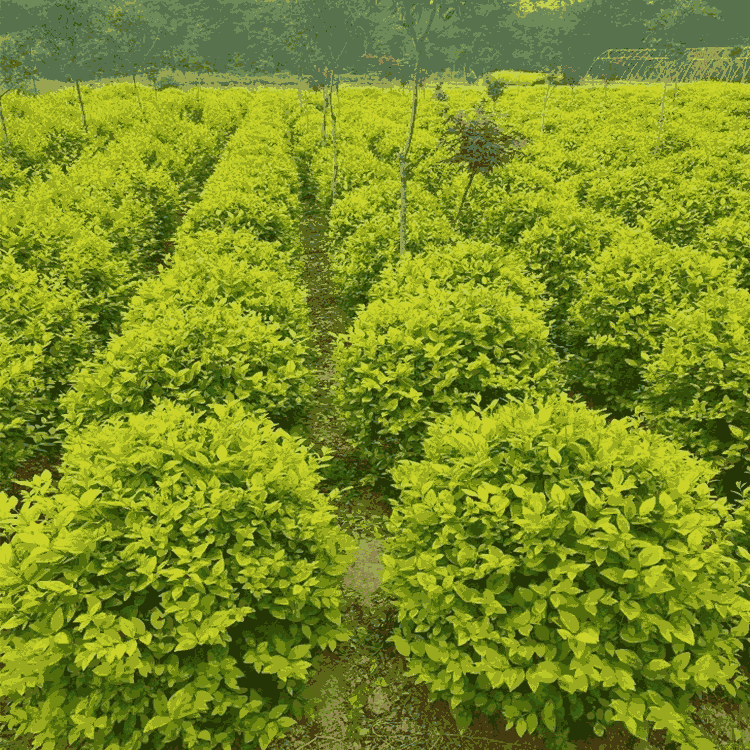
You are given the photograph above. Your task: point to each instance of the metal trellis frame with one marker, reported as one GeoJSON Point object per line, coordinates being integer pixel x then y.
{"type": "Point", "coordinates": [727, 64]}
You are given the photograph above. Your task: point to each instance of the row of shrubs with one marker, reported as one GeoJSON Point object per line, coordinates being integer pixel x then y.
{"type": "Point", "coordinates": [186, 574]}
{"type": "Point", "coordinates": [78, 242]}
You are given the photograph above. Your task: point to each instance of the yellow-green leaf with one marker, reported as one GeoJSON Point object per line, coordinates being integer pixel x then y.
{"type": "Point", "coordinates": [570, 621]}
{"type": "Point", "coordinates": [402, 645]}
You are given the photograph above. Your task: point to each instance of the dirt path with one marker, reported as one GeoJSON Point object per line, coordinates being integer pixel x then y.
{"type": "Point", "coordinates": [357, 693]}
{"type": "Point", "coordinates": [359, 697]}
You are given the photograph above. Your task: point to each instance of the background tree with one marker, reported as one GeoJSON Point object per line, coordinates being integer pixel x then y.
{"type": "Point", "coordinates": [26, 51]}
{"type": "Point", "coordinates": [270, 35]}
{"type": "Point", "coordinates": [690, 24]}
{"type": "Point", "coordinates": [134, 36]}
{"type": "Point", "coordinates": [193, 40]}
{"type": "Point", "coordinates": [21, 15]}
{"type": "Point", "coordinates": [735, 30]}
{"type": "Point", "coordinates": [237, 35]}
{"type": "Point", "coordinates": [74, 43]}
{"type": "Point", "coordinates": [330, 35]}
{"type": "Point", "coordinates": [481, 145]}
{"type": "Point", "coordinates": [535, 41]}
{"type": "Point", "coordinates": [16, 61]}
{"type": "Point", "coordinates": [593, 26]}
{"type": "Point", "coordinates": [469, 17]}
{"type": "Point", "coordinates": [137, 30]}
{"type": "Point", "coordinates": [183, 53]}
{"type": "Point", "coordinates": [492, 34]}
{"type": "Point", "coordinates": [671, 33]}
{"type": "Point", "coordinates": [417, 19]}
{"type": "Point", "coordinates": [732, 15]}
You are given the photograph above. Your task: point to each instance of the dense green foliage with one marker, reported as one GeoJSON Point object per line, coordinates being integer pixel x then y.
{"type": "Point", "coordinates": [195, 353]}
{"type": "Point", "coordinates": [461, 317]}
{"type": "Point", "coordinates": [357, 166]}
{"type": "Point", "coordinates": [557, 570]}
{"type": "Point", "coordinates": [233, 267]}
{"type": "Point", "coordinates": [730, 237]}
{"type": "Point", "coordinates": [24, 402]}
{"type": "Point", "coordinates": [468, 261]}
{"type": "Point", "coordinates": [363, 233]}
{"type": "Point", "coordinates": [185, 575]}
{"type": "Point", "coordinates": [697, 383]}
{"type": "Point", "coordinates": [625, 306]}
{"type": "Point", "coordinates": [560, 247]}
{"type": "Point", "coordinates": [46, 332]}
{"type": "Point", "coordinates": [408, 359]}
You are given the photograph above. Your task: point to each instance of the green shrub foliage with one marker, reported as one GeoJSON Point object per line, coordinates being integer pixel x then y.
{"type": "Point", "coordinates": [526, 177]}
{"type": "Point", "coordinates": [730, 237]}
{"type": "Point", "coordinates": [357, 166]}
{"type": "Point", "coordinates": [408, 359]}
{"type": "Point", "coordinates": [242, 244]}
{"type": "Point", "coordinates": [184, 577]}
{"type": "Point", "coordinates": [697, 384]}
{"type": "Point", "coordinates": [499, 215]}
{"type": "Point", "coordinates": [363, 234]}
{"type": "Point", "coordinates": [560, 247]}
{"type": "Point", "coordinates": [45, 332]}
{"type": "Point", "coordinates": [25, 403]}
{"type": "Point", "coordinates": [624, 307]}
{"type": "Point", "coordinates": [65, 247]}
{"type": "Point", "coordinates": [631, 191]}
{"type": "Point", "coordinates": [557, 569]}
{"type": "Point", "coordinates": [391, 142]}
{"type": "Point", "coordinates": [273, 293]}
{"type": "Point", "coordinates": [702, 201]}
{"type": "Point", "coordinates": [378, 129]}
{"type": "Point", "coordinates": [193, 354]}
{"type": "Point", "coordinates": [468, 261]}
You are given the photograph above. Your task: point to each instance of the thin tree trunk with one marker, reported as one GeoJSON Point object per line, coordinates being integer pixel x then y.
{"type": "Point", "coordinates": [461, 205]}
{"type": "Point", "coordinates": [402, 161]}
{"type": "Point", "coordinates": [405, 153]}
{"type": "Point", "coordinates": [80, 101]}
{"type": "Point", "coordinates": [2, 118]}
{"type": "Point", "coordinates": [544, 109]}
{"type": "Point", "coordinates": [661, 118]}
{"type": "Point", "coordinates": [325, 112]}
{"type": "Point", "coordinates": [307, 109]}
{"type": "Point", "coordinates": [138, 96]}
{"type": "Point", "coordinates": [333, 135]}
